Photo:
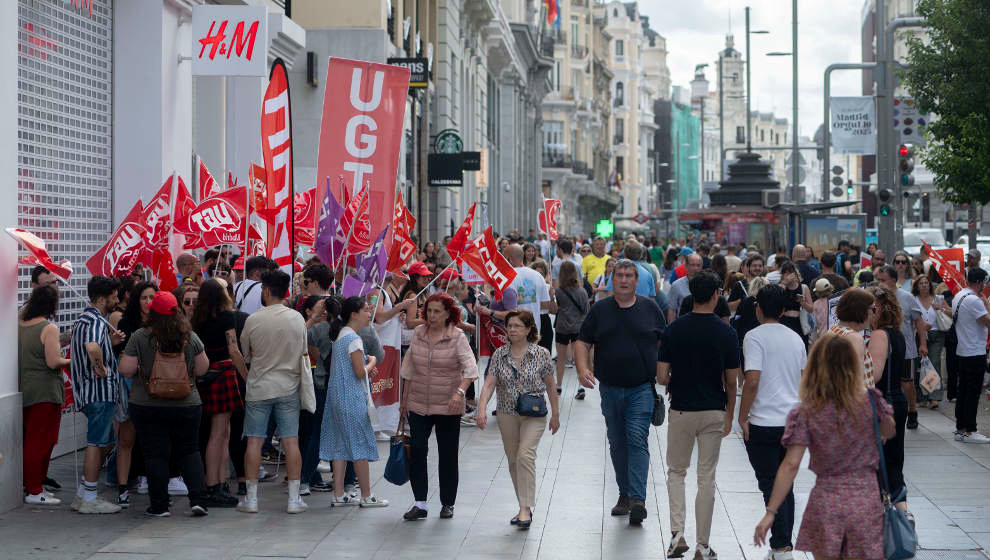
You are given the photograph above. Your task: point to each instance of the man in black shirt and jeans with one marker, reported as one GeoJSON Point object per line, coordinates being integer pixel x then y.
{"type": "Point", "coordinates": [699, 362]}
{"type": "Point", "coordinates": [624, 330]}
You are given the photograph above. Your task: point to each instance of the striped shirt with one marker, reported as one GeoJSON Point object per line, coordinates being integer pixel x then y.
{"type": "Point", "coordinates": [86, 387]}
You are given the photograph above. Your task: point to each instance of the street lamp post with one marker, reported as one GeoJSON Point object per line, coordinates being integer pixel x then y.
{"type": "Point", "coordinates": [749, 84]}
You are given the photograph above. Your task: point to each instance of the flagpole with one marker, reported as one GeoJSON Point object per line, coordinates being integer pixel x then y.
{"type": "Point", "coordinates": [247, 222]}
{"type": "Point", "coordinates": [435, 277]}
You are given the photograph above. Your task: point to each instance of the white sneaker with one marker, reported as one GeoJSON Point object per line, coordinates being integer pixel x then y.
{"type": "Point", "coordinates": [324, 467]}
{"type": "Point", "coordinates": [41, 499]}
{"type": "Point", "coordinates": [352, 490]}
{"type": "Point", "coordinates": [373, 501]}
{"type": "Point", "coordinates": [678, 546]}
{"type": "Point", "coordinates": [297, 506]}
{"type": "Point", "coordinates": [780, 555]}
{"type": "Point", "coordinates": [702, 552]}
{"type": "Point", "coordinates": [142, 487]}
{"type": "Point", "coordinates": [340, 501]}
{"type": "Point", "coordinates": [958, 436]}
{"type": "Point", "coordinates": [98, 505]}
{"type": "Point", "coordinates": [177, 487]}
{"type": "Point", "coordinates": [76, 502]}
{"type": "Point", "coordinates": [246, 505]}
{"type": "Point", "coordinates": [976, 437]}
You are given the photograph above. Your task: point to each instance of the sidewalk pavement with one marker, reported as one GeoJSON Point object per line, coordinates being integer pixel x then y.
{"type": "Point", "coordinates": [949, 492]}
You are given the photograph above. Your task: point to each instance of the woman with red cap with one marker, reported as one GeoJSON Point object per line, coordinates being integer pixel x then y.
{"type": "Point", "coordinates": [167, 427]}
{"type": "Point", "coordinates": [419, 278]}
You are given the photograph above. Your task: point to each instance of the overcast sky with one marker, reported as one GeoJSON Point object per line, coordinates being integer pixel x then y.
{"type": "Point", "coordinates": [828, 32]}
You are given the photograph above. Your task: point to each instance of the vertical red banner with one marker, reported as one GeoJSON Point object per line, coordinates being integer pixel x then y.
{"type": "Point", "coordinates": [363, 109]}
{"type": "Point", "coordinates": [276, 146]}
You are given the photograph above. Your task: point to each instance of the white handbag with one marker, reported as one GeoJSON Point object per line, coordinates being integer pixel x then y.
{"type": "Point", "coordinates": [372, 410]}
{"type": "Point", "coordinates": [307, 392]}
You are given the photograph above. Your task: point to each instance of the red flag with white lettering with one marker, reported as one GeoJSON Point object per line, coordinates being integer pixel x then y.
{"type": "Point", "coordinates": [483, 257]}
{"type": "Point", "coordinates": [304, 211]}
{"type": "Point", "coordinates": [460, 239]}
{"type": "Point", "coordinates": [122, 251]}
{"type": "Point", "coordinates": [357, 217]}
{"type": "Point", "coordinates": [207, 184]}
{"type": "Point", "coordinates": [364, 106]}
{"type": "Point", "coordinates": [276, 146]}
{"type": "Point", "coordinates": [157, 216]}
{"type": "Point", "coordinates": [402, 246]}
{"type": "Point", "coordinates": [951, 275]}
{"type": "Point", "coordinates": [548, 217]}
{"type": "Point", "coordinates": [218, 220]}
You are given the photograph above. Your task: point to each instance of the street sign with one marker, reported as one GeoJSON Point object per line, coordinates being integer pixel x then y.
{"type": "Point", "coordinates": [604, 228]}
{"type": "Point", "coordinates": [640, 218]}
{"type": "Point", "coordinates": [418, 70]}
{"type": "Point", "coordinates": [909, 123]}
{"type": "Point", "coordinates": [229, 41]}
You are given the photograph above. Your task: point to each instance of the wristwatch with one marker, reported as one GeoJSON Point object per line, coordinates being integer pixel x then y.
{"type": "Point", "coordinates": [461, 392]}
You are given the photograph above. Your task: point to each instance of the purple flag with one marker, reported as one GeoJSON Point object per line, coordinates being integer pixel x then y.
{"type": "Point", "coordinates": [369, 269]}
{"type": "Point", "coordinates": [329, 247]}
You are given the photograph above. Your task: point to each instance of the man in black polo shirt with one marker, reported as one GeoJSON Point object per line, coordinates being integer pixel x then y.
{"type": "Point", "coordinates": [624, 330]}
{"type": "Point", "coordinates": [699, 362]}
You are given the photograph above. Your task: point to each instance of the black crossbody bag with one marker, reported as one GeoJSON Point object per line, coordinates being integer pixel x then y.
{"type": "Point", "coordinates": [528, 404]}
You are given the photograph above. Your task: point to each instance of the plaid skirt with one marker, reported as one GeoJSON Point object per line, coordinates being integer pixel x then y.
{"type": "Point", "coordinates": [223, 394]}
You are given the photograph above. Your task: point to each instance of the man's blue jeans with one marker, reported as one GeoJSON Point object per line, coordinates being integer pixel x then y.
{"type": "Point", "coordinates": [627, 413]}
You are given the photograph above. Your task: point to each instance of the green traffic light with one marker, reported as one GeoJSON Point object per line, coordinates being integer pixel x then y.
{"type": "Point", "coordinates": [849, 190]}
{"type": "Point", "coordinates": [885, 210]}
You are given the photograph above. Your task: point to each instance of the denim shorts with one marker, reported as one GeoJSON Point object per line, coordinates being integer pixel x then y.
{"type": "Point", "coordinates": [285, 409]}
{"type": "Point", "coordinates": [99, 415]}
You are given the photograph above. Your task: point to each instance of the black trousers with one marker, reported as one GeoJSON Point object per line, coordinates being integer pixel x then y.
{"type": "Point", "coordinates": [951, 365]}
{"type": "Point", "coordinates": [448, 429]}
{"type": "Point", "coordinates": [765, 455]}
{"type": "Point", "coordinates": [546, 332]}
{"type": "Point", "coordinates": [170, 431]}
{"type": "Point", "coordinates": [971, 370]}
{"type": "Point", "coordinates": [893, 448]}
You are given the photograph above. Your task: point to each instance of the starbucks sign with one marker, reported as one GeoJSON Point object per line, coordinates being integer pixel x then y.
{"type": "Point", "coordinates": [448, 142]}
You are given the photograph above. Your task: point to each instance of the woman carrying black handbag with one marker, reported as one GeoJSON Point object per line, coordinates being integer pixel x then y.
{"type": "Point", "coordinates": [522, 373]}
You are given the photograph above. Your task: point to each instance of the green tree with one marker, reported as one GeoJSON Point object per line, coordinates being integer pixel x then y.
{"type": "Point", "coordinates": [948, 74]}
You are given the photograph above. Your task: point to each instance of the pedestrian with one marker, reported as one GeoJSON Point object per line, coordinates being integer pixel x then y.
{"type": "Point", "coordinates": [834, 421]}
{"type": "Point", "coordinates": [699, 364]}
{"type": "Point", "coordinates": [822, 292]}
{"type": "Point", "coordinates": [273, 343]}
{"type": "Point", "coordinates": [546, 324]}
{"type": "Point", "coordinates": [931, 305]}
{"type": "Point", "coordinates": [213, 321]}
{"type": "Point", "coordinates": [565, 248]}
{"type": "Point", "coordinates": [320, 346]}
{"type": "Point", "coordinates": [752, 268]}
{"type": "Point", "coordinates": [912, 324]}
{"type": "Point", "coordinates": [167, 427]}
{"type": "Point", "coordinates": [623, 330]}
{"type": "Point", "coordinates": [679, 289]}
{"type": "Point", "coordinates": [247, 293]}
{"type": "Point", "coordinates": [799, 255]}
{"type": "Point", "coordinates": [887, 346]}
{"type": "Point", "coordinates": [904, 272]}
{"type": "Point", "coordinates": [855, 311]}
{"type": "Point", "coordinates": [775, 358]}
{"type": "Point", "coordinates": [572, 308]}
{"type": "Point", "coordinates": [530, 254]}
{"type": "Point", "coordinates": [593, 264]}
{"type": "Point", "coordinates": [971, 314]}
{"type": "Point", "coordinates": [601, 284]}
{"type": "Point", "coordinates": [347, 434]}
{"type": "Point", "coordinates": [39, 379]}
{"type": "Point", "coordinates": [436, 372]}
{"type": "Point", "coordinates": [521, 367]}
{"type": "Point", "coordinates": [829, 266]}
{"type": "Point", "coordinates": [95, 386]}
{"type": "Point", "coordinates": [798, 298]}
{"type": "Point", "coordinates": [746, 318]}
{"type": "Point", "coordinates": [530, 285]}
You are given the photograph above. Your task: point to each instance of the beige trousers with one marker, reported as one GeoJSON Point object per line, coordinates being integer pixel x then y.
{"type": "Point", "coordinates": [520, 438]}
{"type": "Point", "coordinates": [683, 428]}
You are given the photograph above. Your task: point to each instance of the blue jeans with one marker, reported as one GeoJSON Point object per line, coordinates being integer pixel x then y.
{"type": "Point", "coordinates": [627, 413]}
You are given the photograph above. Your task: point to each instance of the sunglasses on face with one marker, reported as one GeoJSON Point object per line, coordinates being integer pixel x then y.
{"type": "Point", "coordinates": [900, 261]}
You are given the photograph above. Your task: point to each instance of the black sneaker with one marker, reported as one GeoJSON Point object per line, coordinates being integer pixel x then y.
{"type": "Point", "coordinates": [216, 498]}
{"type": "Point", "coordinates": [51, 485]}
{"type": "Point", "coordinates": [580, 394]}
{"type": "Point", "coordinates": [637, 512]}
{"type": "Point", "coordinates": [414, 514]}
{"type": "Point", "coordinates": [152, 513]}
{"type": "Point", "coordinates": [124, 499]}
{"type": "Point", "coordinates": [242, 488]}
{"type": "Point", "coordinates": [200, 510]}
{"type": "Point", "coordinates": [320, 487]}
{"type": "Point", "coordinates": [912, 420]}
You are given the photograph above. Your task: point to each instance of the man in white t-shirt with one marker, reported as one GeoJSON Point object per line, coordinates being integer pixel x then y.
{"type": "Point", "coordinates": [247, 293]}
{"type": "Point", "coordinates": [972, 318]}
{"type": "Point", "coordinates": [774, 356]}
{"type": "Point", "coordinates": [529, 284]}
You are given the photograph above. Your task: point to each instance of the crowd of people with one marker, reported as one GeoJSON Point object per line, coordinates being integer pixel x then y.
{"type": "Point", "coordinates": [190, 389]}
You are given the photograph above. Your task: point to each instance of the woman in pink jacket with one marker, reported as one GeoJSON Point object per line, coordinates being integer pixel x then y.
{"type": "Point", "coordinates": [437, 369]}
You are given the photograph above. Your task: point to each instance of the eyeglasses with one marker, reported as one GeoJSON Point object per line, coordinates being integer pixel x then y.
{"type": "Point", "coordinates": [900, 261]}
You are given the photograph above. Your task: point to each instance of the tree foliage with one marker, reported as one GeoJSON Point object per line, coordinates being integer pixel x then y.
{"type": "Point", "coordinates": [948, 74]}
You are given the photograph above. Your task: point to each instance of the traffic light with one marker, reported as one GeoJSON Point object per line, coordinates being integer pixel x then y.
{"type": "Point", "coordinates": [885, 195]}
{"type": "Point", "coordinates": [849, 188]}
{"type": "Point", "coordinates": [905, 156]}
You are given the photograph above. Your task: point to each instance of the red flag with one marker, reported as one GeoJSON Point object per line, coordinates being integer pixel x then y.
{"type": "Point", "coordinates": [548, 216]}
{"type": "Point", "coordinates": [402, 247]}
{"type": "Point", "coordinates": [359, 240]}
{"type": "Point", "coordinates": [122, 251]}
{"type": "Point", "coordinates": [304, 214]}
{"type": "Point", "coordinates": [493, 336]}
{"type": "Point", "coordinates": [276, 146]}
{"type": "Point", "coordinates": [164, 269]}
{"type": "Point", "coordinates": [257, 179]}
{"type": "Point", "coordinates": [364, 106]}
{"type": "Point", "coordinates": [483, 257]}
{"type": "Point", "coordinates": [157, 217]}
{"type": "Point", "coordinates": [220, 219]}
{"type": "Point", "coordinates": [865, 261]}
{"type": "Point", "coordinates": [39, 253]}
{"type": "Point", "coordinates": [460, 239]}
{"type": "Point", "coordinates": [952, 276]}
{"type": "Point", "coordinates": [207, 184]}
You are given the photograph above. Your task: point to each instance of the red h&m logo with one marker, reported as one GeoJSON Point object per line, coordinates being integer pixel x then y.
{"type": "Point", "coordinates": [238, 41]}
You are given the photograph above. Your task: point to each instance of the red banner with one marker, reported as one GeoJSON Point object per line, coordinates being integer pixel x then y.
{"type": "Point", "coordinates": [127, 244]}
{"type": "Point", "coordinates": [304, 214]}
{"type": "Point", "coordinates": [207, 184]}
{"type": "Point", "coordinates": [951, 275]}
{"type": "Point", "coordinates": [276, 146]}
{"type": "Point", "coordinates": [483, 257]}
{"type": "Point", "coordinates": [460, 239]}
{"type": "Point", "coordinates": [364, 106]}
{"type": "Point", "coordinates": [219, 220]}
{"type": "Point", "coordinates": [39, 253]}
{"type": "Point", "coordinates": [493, 336]}
{"type": "Point", "coordinates": [548, 217]}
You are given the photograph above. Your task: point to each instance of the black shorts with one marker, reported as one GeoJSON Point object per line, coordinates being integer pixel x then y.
{"type": "Point", "coordinates": [565, 339]}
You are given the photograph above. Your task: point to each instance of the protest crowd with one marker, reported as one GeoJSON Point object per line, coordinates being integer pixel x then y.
{"type": "Point", "coordinates": [243, 376]}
